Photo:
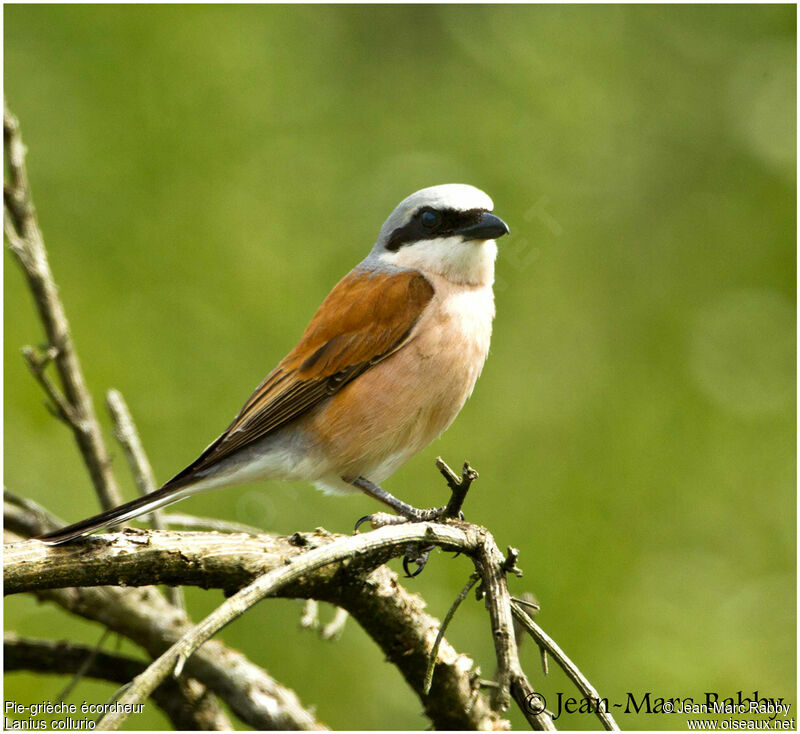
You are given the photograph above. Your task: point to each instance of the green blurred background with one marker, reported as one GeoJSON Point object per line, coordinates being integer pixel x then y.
{"type": "Point", "coordinates": [204, 175]}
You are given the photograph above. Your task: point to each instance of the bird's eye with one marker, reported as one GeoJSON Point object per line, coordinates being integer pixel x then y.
{"type": "Point", "coordinates": [430, 218]}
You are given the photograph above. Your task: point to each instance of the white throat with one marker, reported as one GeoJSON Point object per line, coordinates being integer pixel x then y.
{"type": "Point", "coordinates": [470, 263]}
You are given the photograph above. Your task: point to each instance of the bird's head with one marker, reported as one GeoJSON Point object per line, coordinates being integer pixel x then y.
{"type": "Point", "coordinates": [446, 230]}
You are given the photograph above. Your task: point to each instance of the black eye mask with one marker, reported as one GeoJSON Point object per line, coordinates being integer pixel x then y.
{"type": "Point", "coordinates": [422, 226]}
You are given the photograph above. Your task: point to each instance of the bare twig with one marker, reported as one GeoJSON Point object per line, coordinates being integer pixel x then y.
{"type": "Point", "coordinates": [128, 437]}
{"type": "Point", "coordinates": [192, 522]}
{"type": "Point", "coordinates": [529, 601]}
{"type": "Point", "coordinates": [492, 567]}
{"type": "Point", "coordinates": [426, 686]}
{"type": "Point", "coordinates": [251, 692]}
{"type": "Point", "coordinates": [579, 679]}
{"type": "Point", "coordinates": [26, 517]}
{"type": "Point", "coordinates": [37, 363]}
{"type": "Point", "coordinates": [526, 600]}
{"type": "Point", "coordinates": [309, 620]}
{"type": "Point", "coordinates": [184, 702]}
{"type": "Point", "coordinates": [27, 245]}
{"type": "Point", "coordinates": [459, 486]}
{"type": "Point", "coordinates": [333, 630]}
{"type": "Point", "coordinates": [83, 669]}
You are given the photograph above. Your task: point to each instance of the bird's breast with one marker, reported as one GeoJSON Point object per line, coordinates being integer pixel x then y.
{"type": "Point", "coordinates": [400, 405]}
{"type": "Point", "coordinates": [459, 320]}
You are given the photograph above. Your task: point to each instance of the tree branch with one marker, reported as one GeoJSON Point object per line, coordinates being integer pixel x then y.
{"type": "Point", "coordinates": [128, 437]}
{"type": "Point", "coordinates": [394, 618]}
{"type": "Point", "coordinates": [341, 572]}
{"type": "Point", "coordinates": [459, 486]}
{"type": "Point", "coordinates": [231, 561]}
{"type": "Point", "coordinates": [547, 643]}
{"type": "Point", "coordinates": [186, 703]}
{"type": "Point", "coordinates": [27, 245]}
{"type": "Point", "coordinates": [193, 522]}
{"type": "Point", "coordinates": [26, 517]}
{"type": "Point", "coordinates": [146, 618]}
{"type": "Point", "coordinates": [371, 547]}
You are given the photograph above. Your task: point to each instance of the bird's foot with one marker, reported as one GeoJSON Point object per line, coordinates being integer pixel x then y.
{"type": "Point", "coordinates": [416, 554]}
{"type": "Point", "coordinates": [380, 520]}
{"type": "Point", "coordinates": [405, 511]}
{"type": "Point", "coordinates": [408, 514]}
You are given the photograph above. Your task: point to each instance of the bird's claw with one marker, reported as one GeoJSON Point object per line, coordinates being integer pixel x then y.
{"type": "Point", "coordinates": [417, 555]}
{"type": "Point", "coordinates": [380, 520]}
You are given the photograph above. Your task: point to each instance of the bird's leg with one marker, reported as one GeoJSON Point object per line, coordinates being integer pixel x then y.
{"type": "Point", "coordinates": [405, 513]}
{"type": "Point", "coordinates": [412, 514]}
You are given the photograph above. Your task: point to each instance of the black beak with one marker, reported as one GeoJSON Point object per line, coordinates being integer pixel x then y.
{"type": "Point", "coordinates": [489, 227]}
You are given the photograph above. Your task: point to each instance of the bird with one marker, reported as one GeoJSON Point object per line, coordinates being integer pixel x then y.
{"type": "Point", "coordinates": [383, 368]}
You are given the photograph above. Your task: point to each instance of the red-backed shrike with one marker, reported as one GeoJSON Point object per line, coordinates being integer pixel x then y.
{"type": "Point", "coordinates": [384, 367]}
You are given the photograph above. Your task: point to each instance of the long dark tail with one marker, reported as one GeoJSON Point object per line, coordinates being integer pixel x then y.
{"type": "Point", "coordinates": [168, 494]}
